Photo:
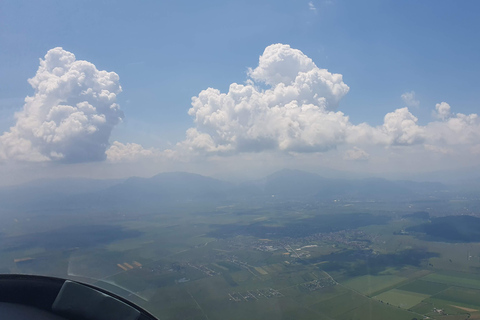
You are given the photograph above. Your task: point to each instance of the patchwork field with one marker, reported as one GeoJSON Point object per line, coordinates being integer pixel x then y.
{"type": "Point", "coordinates": [466, 300]}
{"type": "Point", "coordinates": [377, 311]}
{"type": "Point", "coordinates": [455, 279]}
{"type": "Point", "coordinates": [284, 263]}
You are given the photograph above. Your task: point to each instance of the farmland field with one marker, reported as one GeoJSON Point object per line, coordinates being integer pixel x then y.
{"type": "Point", "coordinates": [369, 284]}
{"type": "Point", "coordinates": [455, 279]}
{"type": "Point", "coordinates": [400, 298]}
{"type": "Point", "coordinates": [341, 304]}
{"type": "Point", "coordinates": [467, 298]}
{"type": "Point", "coordinates": [377, 311]}
{"type": "Point", "coordinates": [425, 287]}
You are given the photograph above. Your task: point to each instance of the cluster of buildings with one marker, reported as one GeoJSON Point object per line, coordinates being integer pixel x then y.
{"type": "Point", "coordinates": [254, 295]}
{"type": "Point", "coordinates": [319, 284]}
{"type": "Point", "coordinates": [202, 268]}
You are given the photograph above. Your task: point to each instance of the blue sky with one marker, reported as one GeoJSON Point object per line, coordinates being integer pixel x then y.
{"type": "Point", "coordinates": [166, 52]}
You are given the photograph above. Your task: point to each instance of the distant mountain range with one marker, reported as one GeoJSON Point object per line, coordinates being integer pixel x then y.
{"type": "Point", "coordinates": [301, 184]}
{"type": "Point", "coordinates": [177, 188]}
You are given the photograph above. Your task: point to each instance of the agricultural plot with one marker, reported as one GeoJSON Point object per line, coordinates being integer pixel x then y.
{"type": "Point", "coordinates": [466, 298]}
{"type": "Point", "coordinates": [341, 304]}
{"type": "Point", "coordinates": [265, 309]}
{"type": "Point", "coordinates": [455, 279]}
{"type": "Point", "coordinates": [436, 307]}
{"type": "Point", "coordinates": [374, 310]}
{"type": "Point", "coordinates": [423, 308]}
{"type": "Point", "coordinates": [402, 299]}
{"type": "Point", "coordinates": [425, 287]}
{"type": "Point", "coordinates": [452, 301]}
{"type": "Point", "coordinates": [369, 284]}
{"type": "Point", "coordinates": [309, 299]}
{"type": "Point", "coordinates": [261, 270]}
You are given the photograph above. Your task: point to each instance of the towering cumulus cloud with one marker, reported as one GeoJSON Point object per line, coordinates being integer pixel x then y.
{"type": "Point", "coordinates": [289, 104]}
{"type": "Point", "coordinates": [70, 116]}
{"type": "Point", "coordinates": [295, 113]}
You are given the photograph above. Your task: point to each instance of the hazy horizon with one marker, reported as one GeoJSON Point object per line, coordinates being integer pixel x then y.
{"type": "Point", "coordinates": [446, 177]}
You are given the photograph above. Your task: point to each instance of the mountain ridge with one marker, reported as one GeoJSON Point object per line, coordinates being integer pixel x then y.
{"type": "Point", "coordinates": [184, 187]}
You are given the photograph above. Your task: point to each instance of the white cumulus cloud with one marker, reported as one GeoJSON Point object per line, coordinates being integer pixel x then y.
{"type": "Point", "coordinates": [410, 100]}
{"type": "Point", "coordinates": [295, 113]}
{"type": "Point", "coordinates": [70, 116]}
{"type": "Point", "coordinates": [442, 111]}
{"type": "Point", "coordinates": [129, 152]}
{"type": "Point", "coordinates": [401, 128]}
{"type": "Point", "coordinates": [289, 104]}
{"type": "Point", "coordinates": [356, 154]}
{"type": "Point", "coordinates": [454, 129]}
